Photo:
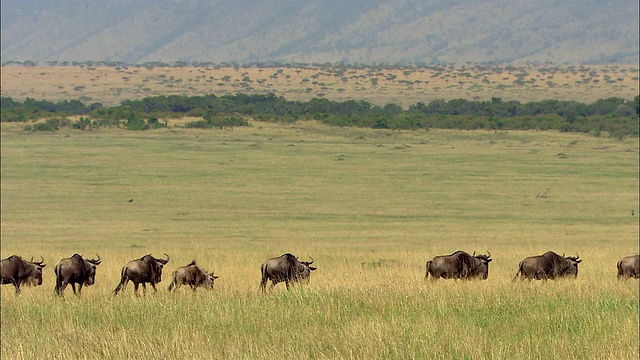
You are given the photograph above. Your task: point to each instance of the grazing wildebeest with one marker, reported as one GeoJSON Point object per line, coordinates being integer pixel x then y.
{"type": "Point", "coordinates": [285, 268]}
{"type": "Point", "coordinates": [548, 266]}
{"type": "Point", "coordinates": [147, 269]}
{"type": "Point", "coordinates": [459, 265]}
{"type": "Point", "coordinates": [17, 271]}
{"type": "Point", "coordinates": [75, 270]}
{"type": "Point", "coordinates": [629, 267]}
{"type": "Point", "coordinates": [193, 276]}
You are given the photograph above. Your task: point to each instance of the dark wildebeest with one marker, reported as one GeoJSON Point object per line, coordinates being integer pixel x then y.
{"type": "Point", "coordinates": [285, 268]}
{"type": "Point", "coordinates": [75, 270]}
{"type": "Point", "coordinates": [548, 266]}
{"type": "Point", "coordinates": [193, 276]}
{"type": "Point", "coordinates": [17, 271]}
{"type": "Point", "coordinates": [629, 267]}
{"type": "Point", "coordinates": [459, 265]}
{"type": "Point", "coordinates": [147, 269]}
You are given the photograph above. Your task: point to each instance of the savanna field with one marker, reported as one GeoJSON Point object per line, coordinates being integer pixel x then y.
{"type": "Point", "coordinates": [370, 206]}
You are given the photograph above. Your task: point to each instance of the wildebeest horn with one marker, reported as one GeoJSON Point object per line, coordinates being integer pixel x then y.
{"type": "Point", "coordinates": [577, 256]}
{"type": "Point", "coordinates": [311, 260]}
{"type": "Point", "coordinates": [488, 253]}
{"type": "Point", "coordinates": [37, 262]}
{"type": "Point", "coordinates": [164, 261]}
{"type": "Point", "coordinates": [474, 253]}
{"type": "Point", "coordinates": [96, 261]}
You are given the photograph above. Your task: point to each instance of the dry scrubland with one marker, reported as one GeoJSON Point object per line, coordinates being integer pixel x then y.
{"type": "Point", "coordinates": [403, 86]}
{"type": "Point", "coordinates": [370, 207]}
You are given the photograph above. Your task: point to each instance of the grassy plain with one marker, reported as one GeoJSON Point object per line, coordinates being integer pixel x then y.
{"type": "Point", "coordinates": [403, 86]}
{"type": "Point", "coordinates": [370, 206]}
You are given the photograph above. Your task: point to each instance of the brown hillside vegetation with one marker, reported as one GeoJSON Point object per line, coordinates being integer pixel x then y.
{"type": "Point", "coordinates": [404, 86]}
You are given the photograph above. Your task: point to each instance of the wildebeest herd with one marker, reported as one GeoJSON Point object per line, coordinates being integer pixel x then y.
{"type": "Point", "coordinates": [286, 268]}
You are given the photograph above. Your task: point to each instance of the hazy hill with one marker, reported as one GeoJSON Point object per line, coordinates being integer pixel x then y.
{"type": "Point", "coordinates": [319, 31]}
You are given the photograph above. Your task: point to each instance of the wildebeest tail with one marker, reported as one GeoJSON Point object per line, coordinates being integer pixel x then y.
{"type": "Point", "coordinates": [56, 270]}
{"type": "Point", "coordinates": [519, 272]}
{"type": "Point", "coordinates": [263, 280]}
{"type": "Point", "coordinates": [123, 280]}
{"type": "Point", "coordinates": [426, 274]}
{"type": "Point", "coordinates": [620, 272]}
{"type": "Point", "coordinates": [174, 281]}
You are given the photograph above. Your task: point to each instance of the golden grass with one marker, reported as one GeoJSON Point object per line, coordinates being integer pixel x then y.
{"type": "Point", "coordinates": [370, 206]}
{"type": "Point", "coordinates": [404, 86]}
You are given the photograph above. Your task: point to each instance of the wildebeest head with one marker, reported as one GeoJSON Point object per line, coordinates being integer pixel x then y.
{"type": "Point", "coordinates": [482, 268]}
{"type": "Point", "coordinates": [36, 275]}
{"type": "Point", "coordinates": [210, 279]}
{"type": "Point", "coordinates": [90, 266]}
{"type": "Point", "coordinates": [156, 266]}
{"type": "Point", "coordinates": [571, 265]}
{"type": "Point", "coordinates": [304, 272]}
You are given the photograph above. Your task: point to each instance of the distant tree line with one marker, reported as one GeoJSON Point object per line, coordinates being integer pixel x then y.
{"type": "Point", "coordinates": [615, 116]}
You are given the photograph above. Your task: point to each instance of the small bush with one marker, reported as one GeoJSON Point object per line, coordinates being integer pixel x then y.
{"type": "Point", "coordinates": [135, 123]}
{"type": "Point", "coordinates": [82, 123]}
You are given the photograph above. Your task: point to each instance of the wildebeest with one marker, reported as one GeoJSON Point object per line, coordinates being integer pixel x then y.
{"type": "Point", "coordinates": [548, 266]}
{"type": "Point", "coordinates": [17, 271]}
{"type": "Point", "coordinates": [193, 276]}
{"type": "Point", "coordinates": [629, 267]}
{"type": "Point", "coordinates": [459, 265]}
{"type": "Point", "coordinates": [285, 268]}
{"type": "Point", "coordinates": [147, 269]}
{"type": "Point", "coordinates": [75, 270]}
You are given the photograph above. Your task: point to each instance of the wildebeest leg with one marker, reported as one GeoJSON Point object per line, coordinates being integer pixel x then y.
{"type": "Point", "coordinates": [16, 284]}
{"type": "Point", "coordinates": [135, 288]}
{"type": "Point", "coordinates": [144, 289]}
{"type": "Point", "coordinates": [61, 286]}
{"type": "Point", "coordinates": [153, 285]}
{"type": "Point", "coordinates": [263, 284]}
{"type": "Point", "coordinates": [73, 286]}
{"type": "Point", "coordinates": [80, 288]}
{"type": "Point", "coordinates": [286, 282]}
{"type": "Point", "coordinates": [544, 276]}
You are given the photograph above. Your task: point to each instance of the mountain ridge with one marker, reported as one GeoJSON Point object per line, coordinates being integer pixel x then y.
{"type": "Point", "coordinates": [317, 31]}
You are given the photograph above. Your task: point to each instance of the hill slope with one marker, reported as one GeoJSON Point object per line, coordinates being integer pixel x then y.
{"type": "Point", "coordinates": [368, 31]}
